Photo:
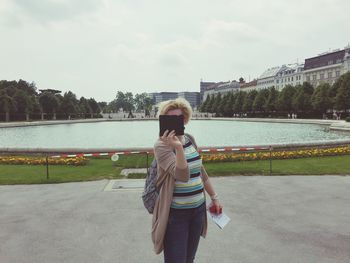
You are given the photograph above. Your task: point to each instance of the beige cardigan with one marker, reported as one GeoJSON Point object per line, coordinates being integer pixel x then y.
{"type": "Point", "coordinates": [167, 173]}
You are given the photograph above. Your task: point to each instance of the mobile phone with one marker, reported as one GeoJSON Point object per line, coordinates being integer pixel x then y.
{"type": "Point", "coordinates": [171, 122]}
{"type": "Point", "coordinates": [212, 209]}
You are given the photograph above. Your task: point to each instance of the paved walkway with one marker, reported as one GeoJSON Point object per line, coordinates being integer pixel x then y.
{"type": "Point", "coordinates": [278, 219]}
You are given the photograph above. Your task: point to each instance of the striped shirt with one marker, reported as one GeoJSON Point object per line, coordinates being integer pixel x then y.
{"type": "Point", "coordinates": [190, 194]}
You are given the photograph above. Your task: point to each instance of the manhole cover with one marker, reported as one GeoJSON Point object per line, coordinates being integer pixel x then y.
{"type": "Point", "coordinates": [128, 184]}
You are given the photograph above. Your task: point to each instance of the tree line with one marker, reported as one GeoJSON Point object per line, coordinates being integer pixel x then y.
{"type": "Point", "coordinates": [127, 102]}
{"type": "Point", "coordinates": [21, 100]}
{"type": "Point", "coordinates": [303, 100]}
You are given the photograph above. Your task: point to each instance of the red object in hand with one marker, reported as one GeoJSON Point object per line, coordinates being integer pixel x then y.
{"type": "Point", "coordinates": [212, 209]}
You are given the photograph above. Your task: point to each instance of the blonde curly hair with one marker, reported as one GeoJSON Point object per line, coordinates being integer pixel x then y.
{"type": "Point", "coordinates": [178, 103]}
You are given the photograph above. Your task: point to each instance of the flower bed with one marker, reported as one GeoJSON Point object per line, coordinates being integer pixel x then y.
{"type": "Point", "coordinates": [76, 161]}
{"type": "Point", "coordinates": [252, 156]}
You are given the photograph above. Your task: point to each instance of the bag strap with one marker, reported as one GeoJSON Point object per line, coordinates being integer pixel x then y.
{"type": "Point", "coordinates": [191, 139]}
{"type": "Point", "coordinates": [195, 145]}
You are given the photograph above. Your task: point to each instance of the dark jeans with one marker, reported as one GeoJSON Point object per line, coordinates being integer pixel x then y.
{"type": "Point", "coordinates": [183, 233]}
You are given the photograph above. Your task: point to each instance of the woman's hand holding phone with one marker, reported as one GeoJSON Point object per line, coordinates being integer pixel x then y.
{"type": "Point", "coordinates": [215, 207]}
{"type": "Point", "coordinates": [170, 139]}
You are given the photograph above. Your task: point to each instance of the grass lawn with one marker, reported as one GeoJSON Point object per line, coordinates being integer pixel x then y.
{"type": "Point", "coordinates": [36, 174]}
{"type": "Point", "coordinates": [302, 166]}
{"type": "Point", "coordinates": [103, 168]}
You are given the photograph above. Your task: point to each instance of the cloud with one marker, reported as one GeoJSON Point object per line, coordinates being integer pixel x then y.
{"type": "Point", "coordinates": [94, 47]}
{"type": "Point", "coordinates": [231, 32]}
{"type": "Point", "coordinates": [173, 60]}
{"type": "Point", "coordinates": [47, 11]}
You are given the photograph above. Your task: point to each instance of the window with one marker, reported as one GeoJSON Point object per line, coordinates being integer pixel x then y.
{"type": "Point", "coordinates": [330, 62]}
{"type": "Point", "coordinates": [308, 78]}
{"type": "Point", "coordinates": [292, 78]}
{"type": "Point", "coordinates": [322, 76]}
{"type": "Point", "coordinates": [314, 77]}
{"type": "Point", "coordinates": [338, 60]}
{"type": "Point", "coordinates": [337, 73]}
{"type": "Point", "coordinates": [329, 75]}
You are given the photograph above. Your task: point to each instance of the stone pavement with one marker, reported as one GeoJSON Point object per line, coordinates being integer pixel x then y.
{"type": "Point", "coordinates": [301, 219]}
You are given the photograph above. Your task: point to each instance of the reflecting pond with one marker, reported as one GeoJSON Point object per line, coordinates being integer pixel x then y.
{"type": "Point", "coordinates": [144, 134]}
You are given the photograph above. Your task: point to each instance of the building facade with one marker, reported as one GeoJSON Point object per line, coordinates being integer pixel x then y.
{"type": "Point", "coordinates": [222, 88]}
{"type": "Point", "coordinates": [267, 78]}
{"type": "Point", "coordinates": [280, 76]}
{"type": "Point", "coordinates": [291, 74]}
{"type": "Point", "coordinates": [163, 96]}
{"type": "Point", "coordinates": [327, 67]}
{"type": "Point", "coordinates": [193, 97]}
{"type": "Point", "coordinates": [248, 86]}
{"type": "Point", "coordinates": [203, 87]}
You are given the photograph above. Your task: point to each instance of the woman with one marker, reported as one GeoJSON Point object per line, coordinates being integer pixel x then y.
{"type": "Point", "coordinates": [179, 216]}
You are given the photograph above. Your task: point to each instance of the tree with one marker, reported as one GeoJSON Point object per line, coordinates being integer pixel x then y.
{"type": "Point", "coordinates": [336, 86]}
{"type": "Point", "coordinates": [285, 98]}
{"type": "Point", "coordinates": [119, 101]}
{"type": "Point", "coordinates": [103, 106]}
{"type": "Point", "coordinates": [24, 102]}
{"type": "Point", "coordinates": [321, 101]}
{"type": "Point", "coordinates": [148, 106]}
{"type": "Point", "coordinates": [271, 101]}
{"type": "Point", "coordinates": [204, 106]}
{"type": "Point", "coordinates": [238, 103]}
{"type": "Point", "coordinates": [260, 100]}
{"type": "Point", "coordinates": [308, 88]}
{"type": "Point", "coordinates": [342, 99]}
{"type": "Point", "coordinates": [139, 101]}
{"type": "Point", "coordinates": [228, 108]}
{"type": "Point", "coordinates": [302, 98]}
{"type": "Point", "coordinates": [95, 108]}
{"type": "Point", "coordinates": [28, 88]}
{"type": "Point", "coordinates": [211, 103]}
{"type": "Point", "coordinates": [49, 103]}
{"type": "Point", "coordinates": [84, 107]}
{"type": "Point", "coordinates": [69, 104]}
{"type": "Point", "coordinates": [249, 100]}
{"type": "Point", "coordinates": [7, 105]}
{"type": "Point", "coordinates": [224, 101]}
{"type": "Point", "coordinates": [129, 104]}
{"type": "Point", "coordinates": [216, 104]}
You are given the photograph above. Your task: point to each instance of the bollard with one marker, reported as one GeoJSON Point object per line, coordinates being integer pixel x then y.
{"type": "Point", "coordinates": [270, 160]}
{"type": "Point", "coordinates": [47, 167]}
{"type": "Point", "coordinates": [147, 162]}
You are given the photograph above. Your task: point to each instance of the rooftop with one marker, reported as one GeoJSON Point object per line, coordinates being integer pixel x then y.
{"type": "Point", "coordinates": [325, 59]}
{"type": "Point", "coordinates": [271, 72]}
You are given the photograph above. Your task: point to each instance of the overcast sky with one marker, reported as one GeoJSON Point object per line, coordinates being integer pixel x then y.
{"type": "Point", "coordinates": [97, 47]}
